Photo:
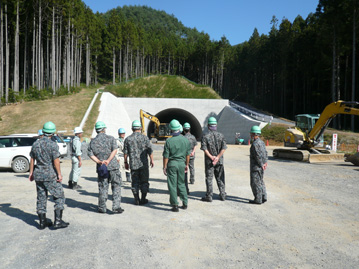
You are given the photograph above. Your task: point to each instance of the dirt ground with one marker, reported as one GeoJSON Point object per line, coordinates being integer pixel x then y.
{"type": "Point", "coordinates": [311, 220]}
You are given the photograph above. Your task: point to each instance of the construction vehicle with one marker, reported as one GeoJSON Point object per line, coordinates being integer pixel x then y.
{"type": "Point", "coordinates": [162, 130]}
{"type": "Point", "coordinates": [308, 134]}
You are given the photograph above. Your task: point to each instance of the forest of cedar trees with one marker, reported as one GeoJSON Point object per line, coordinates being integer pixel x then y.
{"type": "Point", "coordinates": [298, 67]}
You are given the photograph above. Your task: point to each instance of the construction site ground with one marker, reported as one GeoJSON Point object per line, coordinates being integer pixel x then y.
{"type": "Point", "coordinates": [311, 220]}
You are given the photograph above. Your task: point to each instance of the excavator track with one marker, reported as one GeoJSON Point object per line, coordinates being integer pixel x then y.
{"type": "Point", "coordinates": [306, 156]}
{"type": "Point", "coordinates": [291, 154]}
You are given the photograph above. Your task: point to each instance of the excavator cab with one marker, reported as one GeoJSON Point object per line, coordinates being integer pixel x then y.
{"type": "Point", "coordinates": [306, 122]}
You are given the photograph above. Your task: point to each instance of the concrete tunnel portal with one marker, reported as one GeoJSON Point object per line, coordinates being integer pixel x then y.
{"type": "Point", "coordinates": [165, 116]}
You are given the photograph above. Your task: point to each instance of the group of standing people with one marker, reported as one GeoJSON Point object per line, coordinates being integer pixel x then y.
{"type": "Point", "coordinates": [131, 156]}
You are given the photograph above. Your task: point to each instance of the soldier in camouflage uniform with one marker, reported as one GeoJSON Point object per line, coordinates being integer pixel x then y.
{"type": "Point", "coordinates": [193, 141]}
{"type": "Point", "coordinates": [102, 150]}
{"type": "Point", "coordinates": [47, 175]}
{"type": "Point", "coordinates": [76, 160]}
{"type": "Point", "coordinates": [258, 163]}
{"type": "Point", "coordinates": [137, 148]}
{"type": "Point", "coordinates": [214, 145]}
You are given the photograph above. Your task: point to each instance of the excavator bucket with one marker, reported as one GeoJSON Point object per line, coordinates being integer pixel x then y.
{"type": "Point", "coordinates": [353, 158]}
{"type": "Point", "coordinates": [331, 157]}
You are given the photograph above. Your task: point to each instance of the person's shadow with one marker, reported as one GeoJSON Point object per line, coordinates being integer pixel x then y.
{"type": "Point", "coordinates": [19, 214]}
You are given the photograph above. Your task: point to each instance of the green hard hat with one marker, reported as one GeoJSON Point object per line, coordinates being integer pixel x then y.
{"type": "Point", "coordinates": [186, 126]}
{"type": "Point", "coordinates": [49, 127]}
{"type": "Point", "coordinates": [100, 125]}
{"type": "Point", "coordinates": [256, 130]}
{"type": "Point", "coordinates": [175, 125]}
{"type": "Point", "coordinates": [212, 121]}
{"type": "Point", "coordinates": [136, 124]}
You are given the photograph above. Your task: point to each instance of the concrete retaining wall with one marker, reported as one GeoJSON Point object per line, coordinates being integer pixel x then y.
{"type": "Point", "coordinates": [120, 112]}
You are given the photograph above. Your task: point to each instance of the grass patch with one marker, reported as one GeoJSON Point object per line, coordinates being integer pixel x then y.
{"type": "Point", "coordinates": [162, 86]}
{"type": "Point", "coordinates": [92, 118]}
{"type": "Point", "coordinates": [65, 111]}
{"type": "Point", "coordinates": [274, 133]}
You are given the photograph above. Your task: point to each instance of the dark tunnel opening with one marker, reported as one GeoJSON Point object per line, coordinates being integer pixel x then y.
{"type": "Point", "coordinates": [165, 116]}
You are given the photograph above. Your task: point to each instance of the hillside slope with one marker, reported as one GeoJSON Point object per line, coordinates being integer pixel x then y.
{"type": "Point", "coordinates": [163, 86]}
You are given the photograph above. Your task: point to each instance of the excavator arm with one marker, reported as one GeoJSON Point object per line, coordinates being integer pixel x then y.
{"type": "Point", "coordinates": [144, 114]}
{"type": "Point", "coordinates": [330, 111]}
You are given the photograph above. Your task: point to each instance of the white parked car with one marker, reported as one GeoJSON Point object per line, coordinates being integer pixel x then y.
{"type": "Point", "coordinates": [61, 143]}
{"type": "Point", "coordinates": [15, 152]}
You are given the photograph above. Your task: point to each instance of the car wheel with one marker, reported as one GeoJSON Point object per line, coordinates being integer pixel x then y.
{"type": "Point", "coordinates": [20, 165]}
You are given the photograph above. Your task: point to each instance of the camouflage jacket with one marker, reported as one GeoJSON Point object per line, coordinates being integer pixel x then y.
{"type": "Point", "coordinates": [214, 142]}
{"type": "Point", "coordinates": [120, 144]}
{"type": "Point", "coordinates": [258, 155]}
{"type": "Point", "coordinates": [192, 140]}
{"type": "Point", "coordinates": [101, 147]}
{"type": "Point", "coordinates": [137, 147]}
{"type": "Point", "coordinates": [45, 151]}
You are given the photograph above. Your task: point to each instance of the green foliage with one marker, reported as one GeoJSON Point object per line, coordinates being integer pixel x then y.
{"type": "Point", "coordinates": [163, 86]}
{"type": "Point", "coordinates": [33, 94]}
{"type": "Point", "coordinates": [275, 133]}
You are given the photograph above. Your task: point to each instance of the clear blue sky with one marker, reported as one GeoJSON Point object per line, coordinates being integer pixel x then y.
{"type": "Point", "coordinates": [235, 19]}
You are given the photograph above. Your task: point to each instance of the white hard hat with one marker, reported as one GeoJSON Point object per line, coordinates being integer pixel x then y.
{"type": "Point", "coordinates": [78, 130]}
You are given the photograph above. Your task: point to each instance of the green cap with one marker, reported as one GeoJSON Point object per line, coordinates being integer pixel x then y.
{"type": "Point", "coordinates": [175, 125]}
{"type": "Point", "coordinates": [136, 124]}
{"type": "Point", "coordinates": [212, 121]}
{"type": "Point", "coordinates": [256, 130]}
{"type": "Point", "coordinates": [49, 127]}
{"type": "Point", "coordinates": [186, 126]}
{"type": "Point", "coordinates": [100, 125]}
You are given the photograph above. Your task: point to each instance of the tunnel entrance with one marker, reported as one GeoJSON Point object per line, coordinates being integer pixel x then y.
{"type": "Point", "coordinates": [165, 116]}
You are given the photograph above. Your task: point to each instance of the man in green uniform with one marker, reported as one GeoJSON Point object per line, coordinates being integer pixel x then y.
{"type": "Point", "coordinates": [76, 160]}
{"type": "Point", "coordinates": [176, 156]}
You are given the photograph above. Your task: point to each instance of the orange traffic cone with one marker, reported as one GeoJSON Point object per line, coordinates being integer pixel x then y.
{"type": "Point", "coordinates": [249, 141]}
{"type": "Point", "coordinates": [267, 144]}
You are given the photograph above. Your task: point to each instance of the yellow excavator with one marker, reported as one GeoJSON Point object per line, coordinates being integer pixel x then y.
{"type": "Point", "coordinates": [308, 133]}
{"type": "Point", "coordinates": [162, 130]}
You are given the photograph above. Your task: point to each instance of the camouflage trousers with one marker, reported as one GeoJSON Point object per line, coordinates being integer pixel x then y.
{"type": "Point", "coordinates": [258, 186]}
{"type": "Point", "coordinates": [218, 172]}
{"type": "Point", "coordinates": [140, 180]}
{"type": "Point", "coordinates": [75, 171]}
{"type": "Point", "coordinates": [191, 170]}
{"type": "Point", "coordinates": [55, 189]}
{"type": "Point", "coordinates": [103, 185]}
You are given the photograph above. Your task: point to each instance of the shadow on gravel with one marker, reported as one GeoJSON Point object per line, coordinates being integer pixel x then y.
{"type": "Point", "coordinates": [77, 204]}
{"type": "Point", "coordinates": [271, 158]}
{"type": "Point", "coordinates": [158, 191]}
{"type": "Point", "coordinates": [19, 214]}
{"type": "Point", "coordinates": [23, 176]}
{"type": "Point", "coordinates": [158, 206]}
{"type": "Point", "coordinates": [90, 178]}
{"type": "Point", "coordinates": [237, 199]}
{"type": "Point", "coordinates": [158, 180]}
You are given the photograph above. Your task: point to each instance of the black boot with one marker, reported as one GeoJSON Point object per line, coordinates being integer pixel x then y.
{"type": "Point", "coordinates": [70, 184]}
{"type": "Point", "coordinates": [59, 223]}
{"type": "Point", "coordinates": [175, 208]}
{"type": "Point", "coordinates": [75, 186]}
{"type": "Point", "coordinates": [137, 198]}
{"type": "Point", "coordinates": [143, 199]}
{"type": "Point", "coordinates": [128, 177]}
{"type": "Point", "coordinates": [43, 221]}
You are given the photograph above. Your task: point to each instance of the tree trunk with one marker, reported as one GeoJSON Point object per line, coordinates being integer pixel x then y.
{"type": "Point", "coordinates": [113, 65]}
{"type": "Point", "coordinates": [53, 56]}
{"type": "Point", "coordinates": [334, 74]}
{"type": "Point", "coordinates": [1, 55]}
{"type": "Point", "coordinates": [16, 54]}
{"type": "Point", "coordinates": [7, 64]}
{"type": "Point", "coordinates": [119, 63]}
{"type": "Point", "coordinates": [33, 53]}
{"type": "Point", "coordinates": [353, 68]}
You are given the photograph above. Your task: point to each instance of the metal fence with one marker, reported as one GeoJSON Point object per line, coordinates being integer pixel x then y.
{"type": "Point", "coordinates": [251, 113]}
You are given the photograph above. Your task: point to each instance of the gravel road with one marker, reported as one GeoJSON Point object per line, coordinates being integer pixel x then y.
{"type": "Point", "coordinates": [311, 220]}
